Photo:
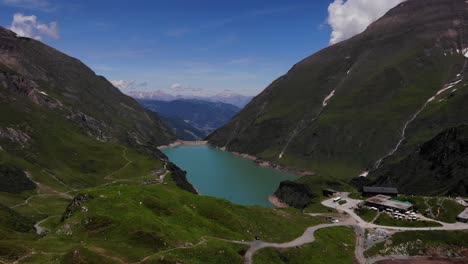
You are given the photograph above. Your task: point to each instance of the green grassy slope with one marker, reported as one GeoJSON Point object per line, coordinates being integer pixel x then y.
{"type": "Point", "coordinates": [333, 245]}
{"type": "Point", "coordinates": [438, 208]}
{"type": "Point", "coordinates": [422, 242]}
{"type": "Point", "coordinates": [131, 222]}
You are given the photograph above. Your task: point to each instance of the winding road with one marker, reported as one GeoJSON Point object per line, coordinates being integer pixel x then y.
{"type": "Point", "coordinates": [306, 238]}
{"type": "Point", "coordinates": [353, 221]}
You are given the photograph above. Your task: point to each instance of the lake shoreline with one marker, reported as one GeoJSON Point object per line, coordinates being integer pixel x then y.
{"type": "Point", "coordinates": [260, 162]}
{"type": "Point", "coordinates": [276, 202]}
{"type": "Point", "coordinates": [272, 199]}
{"type": "Point", "coordinates": [268, 164]}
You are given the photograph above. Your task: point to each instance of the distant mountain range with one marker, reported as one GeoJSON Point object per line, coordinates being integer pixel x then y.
{"type": "Point", "coordinates": [224, 97]}
{"type": "Point", "coordinates": [191, 119]}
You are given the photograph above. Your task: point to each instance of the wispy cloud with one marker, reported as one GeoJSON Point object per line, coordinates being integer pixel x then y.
{"type": "Point", "coordinates": [31, 27]}
{"type": "Point", "coordinates": [43, 5]}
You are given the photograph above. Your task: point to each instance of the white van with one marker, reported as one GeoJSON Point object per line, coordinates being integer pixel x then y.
{"type": "Point", "coordinates": [336, 199]}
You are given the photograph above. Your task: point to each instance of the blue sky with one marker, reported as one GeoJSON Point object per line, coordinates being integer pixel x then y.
{"type": "Point", "coordinates": [178, 46]}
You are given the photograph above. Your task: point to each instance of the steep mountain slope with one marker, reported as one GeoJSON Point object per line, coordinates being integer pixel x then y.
{"type": "Point", "coordinates": [364, 102]}
{"type": "Point", "coordinates": [439, 166]}
{"type": "Point", "coordinates": [59, 120]}
{"type": "Point", "coordinates": [181, 129]}
{"type": "Point", "coordinates": [203, 115]}
{"type": "Point", "coordinates": [54, 80]}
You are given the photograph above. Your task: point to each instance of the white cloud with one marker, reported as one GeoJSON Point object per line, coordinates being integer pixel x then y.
{"type": "Point", "coordinates": [123, 84]}
{"type": "Point", "coordinates": [351, 17]}
{"type": "Point", "coordinates": [128, 84]}
{"type": "Point", "coordinates": [176, 86]}
{"type": "Point", "coordinates": [51, 30]}
{"type": "Point", "coordinates": [29, 26]}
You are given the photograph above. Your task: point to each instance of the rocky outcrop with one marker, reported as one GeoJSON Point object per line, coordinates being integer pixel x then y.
{"type": "Point", "coordinates": [76, 205]}
{"type": "Point", "coordinates": [90, 125]}
{"type": "Point", "coordinates": [14, 135]}
{"type": "Point", "coordinates": [439, 166]}
{"type": "Point", "coordinates": [295, 194]}
{"type": "Point", "coordinates": [22, 86]}
{"type": "Point", "coordinates": [180, 178]}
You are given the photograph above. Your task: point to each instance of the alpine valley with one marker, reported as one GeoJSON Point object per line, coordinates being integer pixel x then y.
{"type": "Point", "coordinates": [361, 148]}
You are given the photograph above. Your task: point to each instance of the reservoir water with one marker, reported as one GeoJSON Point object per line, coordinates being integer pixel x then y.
{"type": "Point", "coordinates": [221, 174]}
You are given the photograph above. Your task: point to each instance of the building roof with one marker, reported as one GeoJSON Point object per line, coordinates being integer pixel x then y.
{"type": "Point", "coordinates": [380, 190]}
{"type": "Point", "coordinates": [385, 201]}
{"type": "Point", "coordinates": [464, 214]}
{"type": "Point", "coordinates": [331, 190]}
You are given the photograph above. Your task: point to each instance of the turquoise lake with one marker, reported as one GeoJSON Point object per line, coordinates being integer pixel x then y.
{"type": "Point", "coordinates": [221, 174]}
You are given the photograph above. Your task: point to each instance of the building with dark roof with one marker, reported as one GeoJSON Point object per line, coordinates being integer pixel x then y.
{"type": "Point", "coordinates": [372, 191]}
{"type": "Point", "coordinates": [383, 202]}
{"type": "Point", "coordinates": [463, 216]}
{"type": "Point", "coordinates": [329, 192]}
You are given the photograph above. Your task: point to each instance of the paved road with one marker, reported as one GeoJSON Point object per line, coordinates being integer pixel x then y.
{"type": "Point", "coordinates": [353, 220]}
{"type": "Point", "coordinates": [306, 238]}
{"type": "Point", "coordinates": [351, 204]}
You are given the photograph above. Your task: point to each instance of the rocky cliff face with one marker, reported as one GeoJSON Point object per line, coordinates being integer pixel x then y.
{"type": "Point", "coordinates": [364, 102]}
{"type": "Point", "coordinates": [64, 124]}
{"type": "Point", "coordinates": [439, 166]}
{"type": "Point", "coordinates": [62, 84]}
{"type": "Point", "coordinates": [180, 178]}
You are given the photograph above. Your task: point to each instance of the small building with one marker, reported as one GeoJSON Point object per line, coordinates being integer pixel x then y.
{"type": "Point", "coordinates": [463, 216]}
{"type": "Point", "coordinates": [372, 191]}
{"type": "Point", "coordinates": [329, 192]}
{"type": "Point", "coordinates": [383, 202]}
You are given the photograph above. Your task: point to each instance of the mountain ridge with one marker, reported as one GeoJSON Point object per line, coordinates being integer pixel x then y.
{"type": "Point", "coordinates": [340, 110]}
{"type": "Point", "coordinates": [223, 97]}
{"type": "Point", "coordinates": [204, 116]}
{"type": "Point", "coordinates": [59, 118]}
{"type": "Point", "coordinates": [64, 80]}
